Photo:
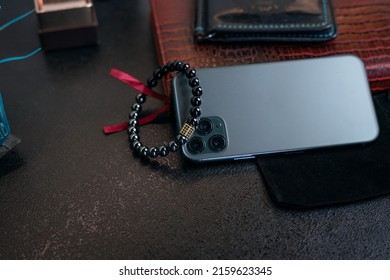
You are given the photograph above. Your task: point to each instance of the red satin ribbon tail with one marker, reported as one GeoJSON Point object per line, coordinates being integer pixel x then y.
{"type": "Point", "coordinates": [136, 84]}
{"type": "Point", "coordinates": [142, 121]}
{"type": "Point", "coordinates": [115, 128]}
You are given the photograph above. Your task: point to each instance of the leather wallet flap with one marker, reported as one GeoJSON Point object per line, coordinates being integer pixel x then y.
{"type": "Point", "coordinates": [263, 19]}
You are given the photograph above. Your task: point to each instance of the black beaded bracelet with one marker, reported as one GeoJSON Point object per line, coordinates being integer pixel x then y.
{"type": "Point", "coordinates": [189, 126]}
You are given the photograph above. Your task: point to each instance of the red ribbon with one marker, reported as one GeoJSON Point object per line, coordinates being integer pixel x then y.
{"type": "Point", "coordinates": [138, 85]}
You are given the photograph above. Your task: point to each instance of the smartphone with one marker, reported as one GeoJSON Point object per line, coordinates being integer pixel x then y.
{"type": "Point", "coordinates": [278, 107]}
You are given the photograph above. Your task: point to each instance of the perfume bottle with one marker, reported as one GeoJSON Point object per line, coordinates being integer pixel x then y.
{"type": "Point", "coordinates": [4, 125]}
{"type": "Point", "coordinates": [66, 23]}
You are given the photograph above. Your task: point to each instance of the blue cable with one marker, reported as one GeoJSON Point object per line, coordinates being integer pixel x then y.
{"type": "Point", "coordinates": [16, 20]}
{"type": "Point", "coordinates": [20, 57]}
{"type": "Point", "coordinates": [8, 24]}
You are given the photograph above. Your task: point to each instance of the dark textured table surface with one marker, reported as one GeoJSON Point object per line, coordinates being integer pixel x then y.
{"type": "Point", "coordinates": [70, 192]}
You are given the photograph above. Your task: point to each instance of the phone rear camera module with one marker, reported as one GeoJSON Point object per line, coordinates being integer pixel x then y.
{"type": "Point", "coordinates": [196, 145]}
{"type": "Point", "coordinates": [205, 126]}
{"type": "Point", "coordinates": [217, 142]}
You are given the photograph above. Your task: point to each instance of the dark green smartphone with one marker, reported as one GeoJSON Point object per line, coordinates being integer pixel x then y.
{"type": "Point", "coordinates": [278, 107]}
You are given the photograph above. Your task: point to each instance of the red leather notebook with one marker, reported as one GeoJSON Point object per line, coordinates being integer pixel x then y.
{"type": "Point", "coordinates": [363, 27]}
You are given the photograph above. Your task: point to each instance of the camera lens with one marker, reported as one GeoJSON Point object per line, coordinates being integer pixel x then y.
{"type": "Point", "coordinates": [205, 126]}
{"type": "Point", "coordinates": [217, 142]}
{"type": "Point", "coordinates": [196, 145]}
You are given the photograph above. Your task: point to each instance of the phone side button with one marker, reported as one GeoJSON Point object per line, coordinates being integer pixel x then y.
{"type": "Point", "coordinates": [244, 157]}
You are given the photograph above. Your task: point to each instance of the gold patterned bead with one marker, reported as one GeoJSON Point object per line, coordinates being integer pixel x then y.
{"type": "Point", "coordinates": [187, 130]}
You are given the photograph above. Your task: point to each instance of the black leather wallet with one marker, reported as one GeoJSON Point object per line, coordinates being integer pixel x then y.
{"type": "Point", "coordinates": [264, 20]}
{"type": "Point", "coordinates": [332, 176]}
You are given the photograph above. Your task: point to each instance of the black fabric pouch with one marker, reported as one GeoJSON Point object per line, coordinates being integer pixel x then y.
{"type": "Point", "coordinates": [264, 20]}
{"type": "Point", "coordinates": [332, 176]}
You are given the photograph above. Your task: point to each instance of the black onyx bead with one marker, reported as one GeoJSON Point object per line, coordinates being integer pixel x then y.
{"type": "Point", "coordinates": [163, 151]}
{"type": "Point", "coordinates": [173, 146]}
{"type": "Point", "coordinates": [153, 152]}
{"type": "Point", "coordinates": [193, 121]}
{"type": "Point", "coordinates": [164, 69]}
{"type": "Point", "coordinates": [190, 73]}
{"type": "Point", "coordinates": [141, 98]}
{"type": "Point", "coordinates": [131, 130]}
{"type": "Point", "coordinates": [136, 145]}
{"type": "Point", "coordinates": [171, 65]}
{"type": "Point", "coordinates": [193, 82]}
{"type": "Point", "coordinates": [181, 139]}
{"type": "Point", "coordinates": [133, 123]}
{"type": "Point", "coordinates": [157, 74]}
{"type": "Point", "coordinates": [197, 91]}
{"type": "Point", "coordinates": [185, 67]}
{"type": "Point", "coordinates": [144, 151]}
{"type": "Point", "coordinates": [133, 137]}
{"type": "Point", "coordinates": [178, 65]}
{"type": "Point", "coordinates": [152, 82]}
{"type": "Point", "coordinates": [196, 101]}
{"type": "Point", "coordinates": [195, 112]}
{"type": "Point", "coordinates": [133, 115]}
{"type": "Point", "coordinates": [136, 107]}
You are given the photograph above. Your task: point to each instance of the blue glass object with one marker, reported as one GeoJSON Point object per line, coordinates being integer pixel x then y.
{"type": "Point", "coordinates": [4, 125]}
